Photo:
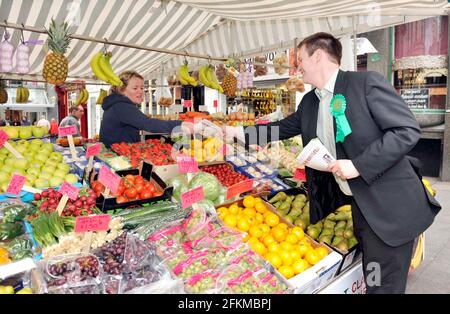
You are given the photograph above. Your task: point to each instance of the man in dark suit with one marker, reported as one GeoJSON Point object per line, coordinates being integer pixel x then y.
{"type": "Point", "coordinates": [390, 206]}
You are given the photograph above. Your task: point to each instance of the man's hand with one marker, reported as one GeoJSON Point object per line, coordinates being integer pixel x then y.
{"type": "Point", "coordinates": [344, 169]}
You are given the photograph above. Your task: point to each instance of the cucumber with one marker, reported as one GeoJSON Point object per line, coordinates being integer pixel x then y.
{"type": "Point", "coordinates": [149, 210]}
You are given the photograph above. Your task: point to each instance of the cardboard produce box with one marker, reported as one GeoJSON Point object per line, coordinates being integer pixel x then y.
{"type": "Point", "coordinates": [315, 277]}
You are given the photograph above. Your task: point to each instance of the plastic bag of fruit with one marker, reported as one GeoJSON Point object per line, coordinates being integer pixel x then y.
{"type": "Point", "coordinates": [165, 285]}
{"type": "Point", "coordinates": [169, 240]}
{"type": "Point", "coordinates": [203, 282]}
{"type": "Point", "coordinates": [197, 225]}
{"type": "Point", "coordinates": [72, 274]}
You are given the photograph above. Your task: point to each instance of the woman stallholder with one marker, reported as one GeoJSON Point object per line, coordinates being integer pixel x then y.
{"type": "Point", "coordinates": [122, 119]}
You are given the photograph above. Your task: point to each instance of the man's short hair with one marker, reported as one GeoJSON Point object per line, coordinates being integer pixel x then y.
{"type": "Point", "coordinates": [74, 108]}
{"type": "Point", "coordinates": [324, 41]}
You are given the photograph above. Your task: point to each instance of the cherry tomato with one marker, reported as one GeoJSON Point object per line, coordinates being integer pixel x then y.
{"type": "Point", "coordinates": [121, 199]}
{"type": "Point", "coordinates": [131, 192]}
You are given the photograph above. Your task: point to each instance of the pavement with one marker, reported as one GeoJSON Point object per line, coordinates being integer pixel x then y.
{"type": "Point", "coordinates": [433, 274]}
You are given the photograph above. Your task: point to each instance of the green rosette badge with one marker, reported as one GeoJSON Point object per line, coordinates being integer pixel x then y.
{"type": "Point", "coordinates": [338, 105]}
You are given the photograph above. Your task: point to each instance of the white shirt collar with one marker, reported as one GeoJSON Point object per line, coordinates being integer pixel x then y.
{"type": "Point", "coordinates": [329, 86]}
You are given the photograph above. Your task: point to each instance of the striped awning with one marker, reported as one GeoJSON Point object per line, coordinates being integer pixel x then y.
{"type": "Point", "coordinates": [216, 28]}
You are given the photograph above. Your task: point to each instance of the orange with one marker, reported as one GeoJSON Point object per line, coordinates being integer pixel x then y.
{"type": "Point", "coordinates": [245, 239]}
{"type": "Point", "coordinates": [251, 220]}
{"type": "Point", "coordinates": [230, 220]}
{"type": "Point", "coordinates": [321, 251]}
{"type": "Point", "coordinates": [264, 228]}
{"type": "Point", "coordinates": [259, 217]}
{"type": "Point", "coordinates": [258, 200]}
{"type": "Point", "coordinates": [256, 232]}
{"type": "Point", "coordinates": [252, 240]}
{"type": "Point", "coordinates": [259, 248]}
{"type": "Point", "coordinates": [274, 247]}
{"type": "Point", "coordinates": [274, 259]}
{"type": "Point", "coordinates": [286, 246]}
{"type": "Point", "coordinates": [272, 220]}
{"type": "Point", "coordinates": [222, 210]}
{"type": "Point", "coordinates": [268, 240]}
{"type": "Point", "coordinates": [286, 257]}
{"type": "Point", "coordinates": [279, 234]}
{"type": "Point", "coordinates": [312, 256]}
{"type": "Point", "coordinates": [243, 225]}
{"type": "Point", "coordinates": [249, 201]}
{"type": "Point", "coordinates": [233, 209]}
{"type": "Point", "coordinates": [260, 208]}
{"type": "Point", "coordinates": [298, 232]}
{"type": "Point", "coordinates": [249, 211]}
{"type": "Point", "coordinates": [283, 225]}
{"type": "Point", "coordinates": [305, 240]}
{"type": "Point", "coordinates": [300, 266]}
{"type": "Point", "coordinates": [286, 271]}
{"type": "Point", "coordinates": [291, 238]}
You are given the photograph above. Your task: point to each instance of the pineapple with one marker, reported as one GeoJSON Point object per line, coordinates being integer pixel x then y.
{"type": "Point", "coordinates": [56, 64]}
{"type": "Point", "coordinates": [3, 93]}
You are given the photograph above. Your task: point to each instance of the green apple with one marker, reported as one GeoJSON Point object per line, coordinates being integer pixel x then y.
{"type": "Point", "coordinates": [21, 164]}
{"type": "Point", "coordinates": [37, 141]}
{"type": "Point", "coordinates": [25, 132]}
{"type": "Point", "coordinates": [71, 178]}
{"type": "Point", "coordinates": [51, 162]}
{"type": "Point", "coordinates": [56, 156]}
{"type": "Point", "coordinates": [49, 168]}
{"type": "Point", "coordinates": [34, 147]}
{"type": "Point", "coordinates": [41, 183]}
{"type": "Point", "coordinates": [7, 168]}
{"type": "Point", "coordinates": [41, 157]}
{"type": "Point", "coordinates": [21, 149]}
{"type": "Point", "coordinates": [45, 175]}
{"type": "Point", "coordinates": [47, 146]}
{"type": "Point", "coordinates": [12, 131]}
{"type": "Point", "coordinates": [56, 181]}
{"type": "Point", "coordinates": [59, 173]}
{"type": "Point", "coordinates": [64, 167]}
{"type": "Point", "coordinates": [10, 161]}
{"type": "Point", "coordinates": [4, 151]}
{"type": "Point", "coordinates": [30, 178]}
{"type": "Point", "coordinates": [36, 164]}
{"type": "Point", "coordinates": [39, 131]}
{"type": "Point", "coordinates": [4, 176]}
{"type": "Point", "coordinates": [19, 172]}
{"type": "Point", "coordinates": [3, 158]}
{"type": "Point", "coordinates": [34, 171]}
{"type": "Point", "coordinates": [23, 143]}
{"type": "Point", "coordinates": [31, 153]}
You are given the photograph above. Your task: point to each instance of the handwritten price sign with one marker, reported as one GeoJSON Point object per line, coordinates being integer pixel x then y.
{"type": "Point", "coordinates": [239, 188]}
{"type": "Point", "coordinates": [16, 184]}
{"type": "Point", "coordinates": [215, 103]}
{"type": "Point", "coordinates": [193, 196]}
{"type": "Point", "coordinates": [68, 130]}
{"type": "Point", "coordinates": [93, 150]}
{"type": "Point", "coordinates": [187, 103]}
{"type": "Point", "coordinates": [187, 164]}
{"type": "Point", "coordinates": [300, 174]}
{"type": "Point", "coordinates": [3, 137]}
{"type": "Point", "coordinates": [69, 190]}
{"type": "Point", "coordinates": [92, 223]}
{"type": "Point", "coordinates": [109, 179]}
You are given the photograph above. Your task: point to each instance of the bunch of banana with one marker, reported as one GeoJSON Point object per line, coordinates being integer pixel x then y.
{"type": "Point", "coordinates": [82, 97]}
{"type": "Point", "coordinates": [101, 96]}
{"type": "Point", "coordinates": [22, 95]}
{"type": "Point", "coordinates": [185, 78]}
{"type": "Point", "coordinates": [207, 76]}
{"type": "Point", "coordinates": [101, 66]}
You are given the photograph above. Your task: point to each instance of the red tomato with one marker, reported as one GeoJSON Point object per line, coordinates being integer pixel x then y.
{"type": "Point", "coordinates": [146, 194]}
{"type": "Point", "coordinates": [149, 187]}
{"type": "Point", "coordinates": [131, 193]}
{"type": "Point", "coordinates": [157, 193]}
{"type": "Point", "coordinates": [139, 180]}
{"type": "Point", "coordinates": [129, 178]}
{"type": "Point", "coordinates": [121, 199]}
{"type": "Point", "coordinates": [139, 187]}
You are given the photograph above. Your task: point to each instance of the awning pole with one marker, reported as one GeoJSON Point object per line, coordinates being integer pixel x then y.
{"type": "Point", "coordinates": [355, 56]}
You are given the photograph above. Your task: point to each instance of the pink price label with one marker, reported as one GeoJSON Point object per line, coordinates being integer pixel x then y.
{"type": "Point", "coordinates": [191, 197]}
{"type": "Point", "coordinates": [69, 190]}
{"type": "Point", "coordinates": [300, 174]}
{"type": "Point", "coordinates": [263, 121]}
{"type": "Point", "coordinates": [187, 103]}
{"type": "Point", "coordinates": [187, 164]}
{"type": "Point", "coordinates": [239, 188]}
{"type": "Point", "coordinates": [109, 179]}
{"type": "Point", "coordinates": [93, 150]}
{"type": "Point", "coordinates": [16, 184]}
{"type": "Point", "coordinates": [3, 138]}
{"type": "Point", "coordinates": [92, 223]}
{"type": "Point", "coordinates": [68, 130]}
{"type": "Point", "coordinates": [216, 104]}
